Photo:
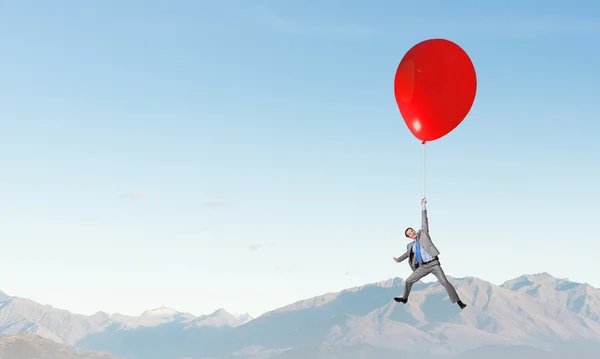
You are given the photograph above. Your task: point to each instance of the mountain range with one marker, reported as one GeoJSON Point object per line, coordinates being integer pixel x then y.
{"type": "Point", "coordinates": [532, 316]}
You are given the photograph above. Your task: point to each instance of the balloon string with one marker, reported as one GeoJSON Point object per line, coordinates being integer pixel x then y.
{"type": "Point", "coordinates": [424, 171]}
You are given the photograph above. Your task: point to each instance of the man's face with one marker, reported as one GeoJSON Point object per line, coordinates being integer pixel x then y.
{"type": "Point", "coordinates": [410, 233]}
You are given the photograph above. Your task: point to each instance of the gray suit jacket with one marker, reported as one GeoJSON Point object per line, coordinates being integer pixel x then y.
{"type": "Point", "coordinates": [424, 241]}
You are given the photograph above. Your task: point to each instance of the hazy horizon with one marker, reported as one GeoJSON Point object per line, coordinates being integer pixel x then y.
{"type": "Point", "coordinates": [429, 279]}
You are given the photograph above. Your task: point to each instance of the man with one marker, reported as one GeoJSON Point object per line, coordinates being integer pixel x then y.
{"type": "Point", "coordinates": [423, 259]}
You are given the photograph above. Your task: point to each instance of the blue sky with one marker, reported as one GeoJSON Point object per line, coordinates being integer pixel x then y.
{"type": "Point", "coordinates": [247, 154]}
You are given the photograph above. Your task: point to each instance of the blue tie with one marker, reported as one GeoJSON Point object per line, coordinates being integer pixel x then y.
{"type": "Point", "coordinates": [418, 249]}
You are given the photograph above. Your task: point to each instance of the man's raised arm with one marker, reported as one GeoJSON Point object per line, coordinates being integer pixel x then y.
{"type": "Point", "coordinates": [401, 258]}
{"type": "Point", "coordinates": [424, 221]}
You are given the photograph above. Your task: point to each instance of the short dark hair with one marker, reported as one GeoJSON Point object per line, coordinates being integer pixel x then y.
{"type": "Point", "coordinates": [406, 230]}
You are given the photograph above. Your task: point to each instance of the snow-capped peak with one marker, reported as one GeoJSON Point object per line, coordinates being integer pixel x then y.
{"type": "Point", "coordinates": [219, 312]}
{"type": "Point", "coordinates": [152, 318]}
{"type": "Point", "coordinates": [529, 279]}
{"type": "Point", "coordinates": [218, 318]}
{"type": "Point", "coordinates": [243, 318]}
{"type": "Point", "coordinates": [162, 311]}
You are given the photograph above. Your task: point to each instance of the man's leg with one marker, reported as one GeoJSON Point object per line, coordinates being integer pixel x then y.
{"type": "Point", "coordinates": [419, 273]}
{"type": "Point", "coordinates": [441, 276]}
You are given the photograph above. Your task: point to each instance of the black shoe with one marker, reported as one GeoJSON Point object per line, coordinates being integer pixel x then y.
{"type": "Point", "coordinates": [400, 299]}
{"type": "Point", "coordinates": [461, 305]}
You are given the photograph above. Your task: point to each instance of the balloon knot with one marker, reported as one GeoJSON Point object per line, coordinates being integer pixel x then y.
{"type": "Point", "coordinates": [423, 142]}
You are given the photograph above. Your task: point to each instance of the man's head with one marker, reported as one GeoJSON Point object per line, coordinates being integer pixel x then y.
{"type": "Point", "coordinates": [410, 233]}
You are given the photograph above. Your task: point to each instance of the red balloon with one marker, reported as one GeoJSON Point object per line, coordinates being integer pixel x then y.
{"type": "Point", "coordinates": [435, 87]}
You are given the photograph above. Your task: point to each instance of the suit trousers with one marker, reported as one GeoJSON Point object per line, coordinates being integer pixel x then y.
{"type": "Point", "coordinates": [425, 269]}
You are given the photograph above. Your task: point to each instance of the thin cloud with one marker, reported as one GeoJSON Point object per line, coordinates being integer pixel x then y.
{"type": "Point", "coordinates": [134, 194]}
{"type": "Point", "coordinates": [216, 204]}
{"type": "Point", "coordinates": [333, 29]}
{"type": "Point", "coordinates": [257, 246]}
{"type": "Point", "coordinates": [350, 273]}
{"type": "Point", "coordinates": [254, 247]}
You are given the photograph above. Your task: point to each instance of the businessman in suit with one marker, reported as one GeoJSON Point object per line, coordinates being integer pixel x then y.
{"type": "Point", "coordinates": [423, 259]}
